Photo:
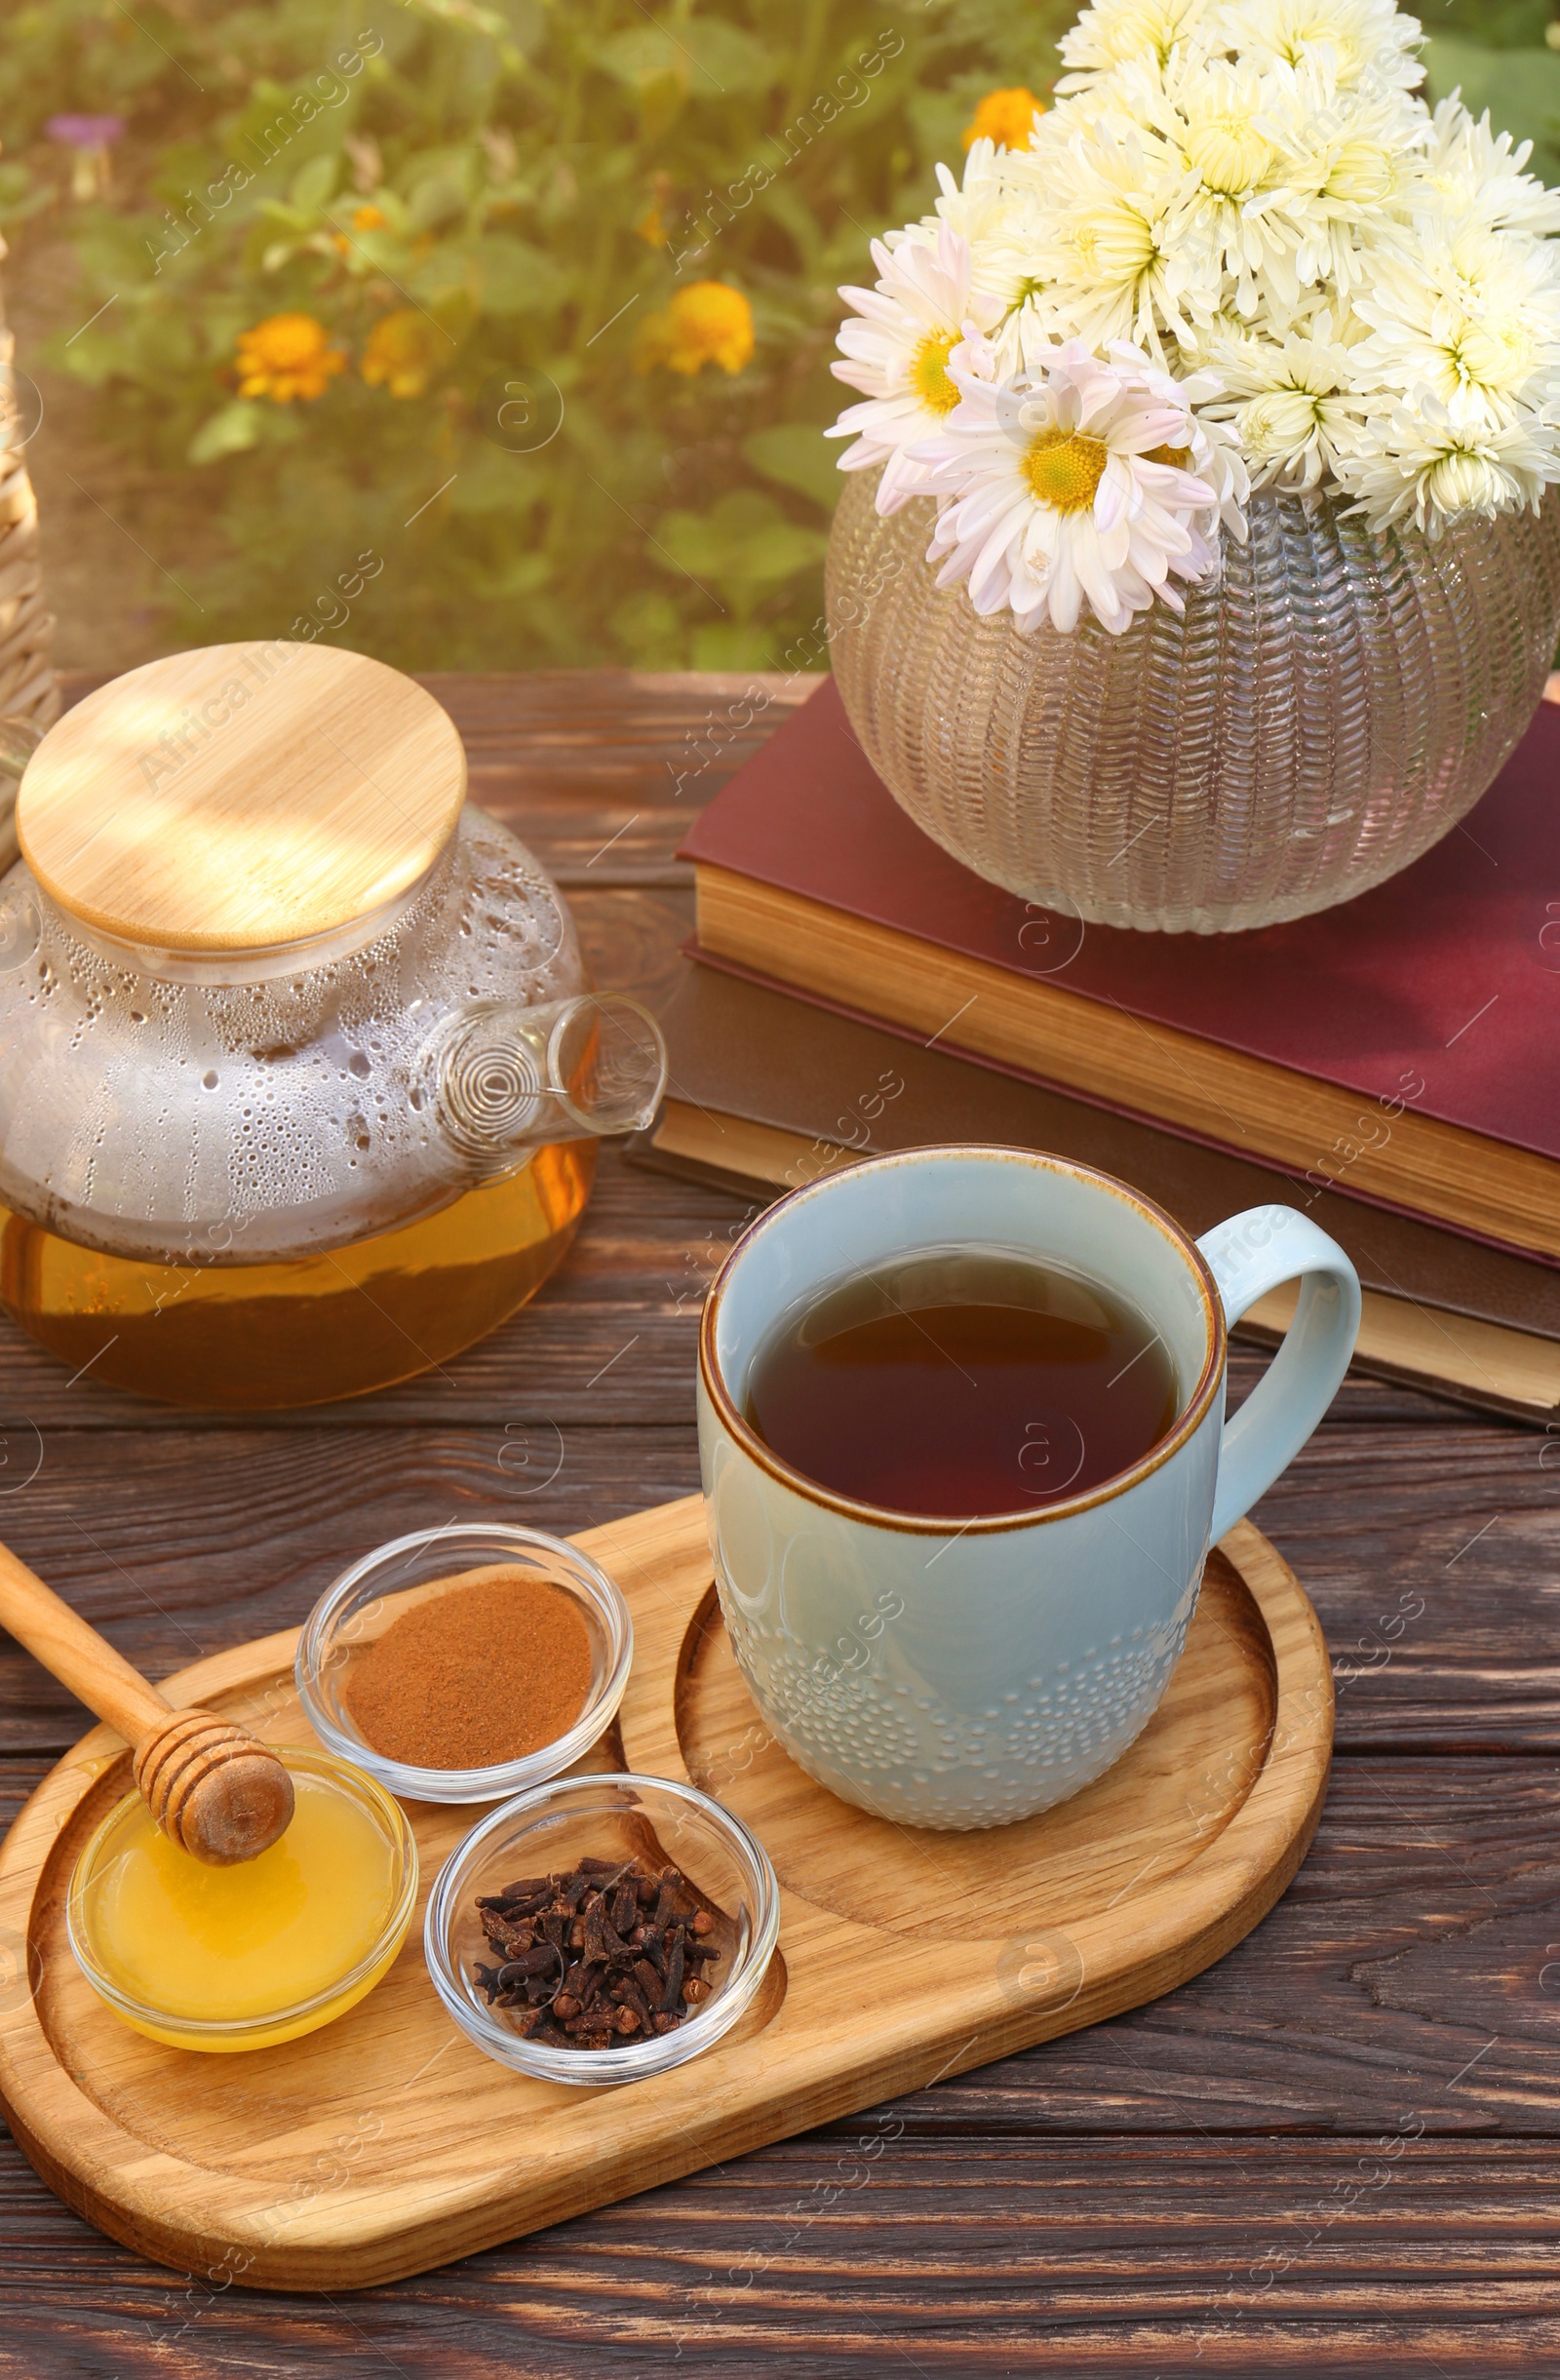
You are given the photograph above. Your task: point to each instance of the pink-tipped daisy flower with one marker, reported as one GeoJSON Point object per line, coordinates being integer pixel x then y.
{"type": "Point", "coordinates": [1079, 481]}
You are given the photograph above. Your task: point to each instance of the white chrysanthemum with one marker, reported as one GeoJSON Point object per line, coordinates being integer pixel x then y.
{"type": "Point", "coordinates": [1350, 164]}
{"type": "Point", "coordinates": [1002, 225]}
{"type": "Point", "coordinates": [1474, 320]}
{"type": "Point", "coordinates": [1114, 252]}
{"type": "Point", "coordinates": [1347, 42]}
{"type": "Point", "coordinates": [1224, 126]}
{"type": "Point", "coordinates": [1293, 403]}
{"type": "Point", "coordinates": [1476, 175]}
{"type": "Point", "coordinates": [1430, 462]}
{"type": "Point", "coordinates": [923, 310]}
{"type": "Point", "coordinates": [1114, 32]}
{"type": "Point", "coordinates": [1076, 482]}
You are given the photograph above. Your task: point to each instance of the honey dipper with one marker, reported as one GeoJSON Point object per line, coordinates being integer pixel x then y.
{"type": "Point", "coordinates": [214, 1788]}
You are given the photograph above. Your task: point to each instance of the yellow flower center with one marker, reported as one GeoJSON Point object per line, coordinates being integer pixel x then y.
{"type": "Point", "coordinates": [1281, 420]}
{"type": "Point", "coordinates": [1150, 28]}
{"type": "Point", "coordinates": [928, 372]}
{"type": "Point", "coordinates": [1115, 246]}
{"type": "Point", "coordinates": [1491, 354]}
{"type": "Point", "coordinates": [1311, 29]}
{"type": "Point", "coordinates": [1064, 468]}
{"type": "Point", "coordinates": [1361, 173]}
{"type": "Point", "coordinates": [1229, 156]}
{"type": "Point", "coordinates": [1178, 458]}
{"type": "Point", "coordinates": [1458, 479]}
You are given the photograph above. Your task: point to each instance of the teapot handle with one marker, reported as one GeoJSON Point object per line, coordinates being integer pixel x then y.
{"type": "Point", "coordinates": [506, 1078]}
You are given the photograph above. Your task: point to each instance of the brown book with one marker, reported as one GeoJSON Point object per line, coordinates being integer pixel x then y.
{"type": "Point", "coordinates": [1404, 1048]}
{"type": "Point", "coordinates": [767, 1092]}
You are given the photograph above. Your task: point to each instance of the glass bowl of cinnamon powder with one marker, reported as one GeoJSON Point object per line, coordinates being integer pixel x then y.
{"type": "Point", "coordinates": [464, 1664]}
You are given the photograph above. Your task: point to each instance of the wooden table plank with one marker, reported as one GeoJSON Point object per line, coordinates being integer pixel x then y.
{"type": "Point", "coordinates": [859, 2255]}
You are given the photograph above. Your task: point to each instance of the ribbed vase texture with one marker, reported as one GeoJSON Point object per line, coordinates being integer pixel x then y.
{"type": "Point", "coordinates": [1316, 719]}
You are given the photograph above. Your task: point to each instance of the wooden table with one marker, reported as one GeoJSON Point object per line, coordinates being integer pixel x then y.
{"type": "Point", "coordinates": [1338, 2148]}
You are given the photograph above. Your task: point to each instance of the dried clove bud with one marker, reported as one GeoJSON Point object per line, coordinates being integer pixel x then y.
{"type": "Point", "coordinates": [541, 1961]}
{"type": "Point", "coordinates": [607, 1952]}
{"type": "Point", "coordinates": [673, 1988]}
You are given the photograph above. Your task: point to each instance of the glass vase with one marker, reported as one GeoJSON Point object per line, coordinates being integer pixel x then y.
{"type": "Point", "coordinates": [1316, 719]}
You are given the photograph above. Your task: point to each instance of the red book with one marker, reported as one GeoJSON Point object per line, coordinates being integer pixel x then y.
{"type": "Point", "coordinates": [1404, 1048]}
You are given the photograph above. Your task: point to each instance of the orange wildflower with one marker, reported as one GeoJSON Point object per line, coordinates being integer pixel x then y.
{"type": "Point", "coordinates": [287, 356]}
{"type": "Point", "coordinates": [401, 354]}
{"type": "Point", "coordinates": [707, 323]}
{"type": "Point", "coordinates": [1006, 117]}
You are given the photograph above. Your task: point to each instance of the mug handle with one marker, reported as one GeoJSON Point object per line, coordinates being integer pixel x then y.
{"type": "Point", "coordinates": [1247, 1255]}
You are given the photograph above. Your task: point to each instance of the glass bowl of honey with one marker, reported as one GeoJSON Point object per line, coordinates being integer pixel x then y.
{"type": "Point", "coordinates": [464, 1664]}
{"type": "Point", "coordinates": [243, 1957]}
{"type": "Point", "coordinates": [602, 1929]}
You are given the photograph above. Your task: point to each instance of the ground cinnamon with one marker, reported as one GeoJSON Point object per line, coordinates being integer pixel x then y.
{"type": "Point", "coordinates": [486, 1673]}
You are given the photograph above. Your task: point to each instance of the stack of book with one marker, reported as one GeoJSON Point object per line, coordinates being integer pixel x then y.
{"type": "Point", "coordinates": [1391, 1067]}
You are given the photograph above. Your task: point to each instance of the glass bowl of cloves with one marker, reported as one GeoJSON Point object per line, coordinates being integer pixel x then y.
{"type": "Point", "coordinates": [601, 1929]}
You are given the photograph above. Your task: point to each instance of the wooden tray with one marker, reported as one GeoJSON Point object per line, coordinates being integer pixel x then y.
{"type": "Point", "coordinates": [385, 2143]}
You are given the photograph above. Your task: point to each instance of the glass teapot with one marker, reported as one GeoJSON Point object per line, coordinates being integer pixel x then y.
{"type": "Point", "coordinates": [300, 1079]}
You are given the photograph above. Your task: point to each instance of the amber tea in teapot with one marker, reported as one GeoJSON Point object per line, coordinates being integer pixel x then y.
{"type": "Point", "coordinates": [300, 1079]}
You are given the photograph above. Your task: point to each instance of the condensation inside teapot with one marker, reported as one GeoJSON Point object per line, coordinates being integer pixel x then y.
{"type": "Point", "coordinates": [154, 1112]}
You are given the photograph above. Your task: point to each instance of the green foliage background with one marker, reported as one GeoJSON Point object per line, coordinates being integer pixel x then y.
{"type": "Point", "coordinates": [526, 154]}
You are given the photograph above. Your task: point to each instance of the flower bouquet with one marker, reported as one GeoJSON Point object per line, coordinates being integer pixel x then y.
{"type": "Point", "coordinates": [1195, 569]}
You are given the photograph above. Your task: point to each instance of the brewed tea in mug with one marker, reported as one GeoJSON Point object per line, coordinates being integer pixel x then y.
{"type": "Point", "coordinates": [964, 1382]}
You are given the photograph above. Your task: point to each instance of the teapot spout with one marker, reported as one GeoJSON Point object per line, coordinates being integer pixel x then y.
{"type": "Point", "coordinates": [506, 1079]}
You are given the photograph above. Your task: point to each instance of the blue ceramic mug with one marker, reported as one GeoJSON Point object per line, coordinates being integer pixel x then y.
{"type": "Point", "coordinates": [964, 1677]}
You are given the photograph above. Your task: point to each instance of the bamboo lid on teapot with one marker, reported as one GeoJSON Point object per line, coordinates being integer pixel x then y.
{"type": "Point", "coordinates": [241, 797]}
